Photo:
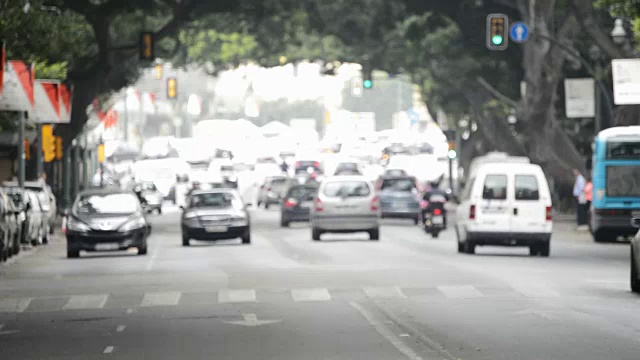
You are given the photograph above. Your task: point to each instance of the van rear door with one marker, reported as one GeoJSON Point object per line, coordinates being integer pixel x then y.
{"type": "Point", "coordinates": [528, 209]}
{"type": "Point", "coordinates": [493, 214]}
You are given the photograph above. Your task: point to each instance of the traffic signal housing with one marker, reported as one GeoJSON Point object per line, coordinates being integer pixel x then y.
{"type": "Point", "coordinates": [172, 88]}
{"type": "Point", "coordinates": [497, 31]}
{"type": "Point", "coordinates": [48, 143]}
{"type": "Point", "coordinates": [367, 78]}
{"type": "Point", "coordinates": [147, 46]}
{"type": "Point", "coordinates": [59, 153]}
{"type": "Point", "coordinates": [27, 150]}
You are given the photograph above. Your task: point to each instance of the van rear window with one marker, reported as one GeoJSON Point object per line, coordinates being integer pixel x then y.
{"type": "Point", "coordinates": [495, 187]}
{"type": "Point", "coordinates": [527, 187]}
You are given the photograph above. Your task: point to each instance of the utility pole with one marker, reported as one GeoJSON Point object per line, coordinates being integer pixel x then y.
{"type": "Point", "coordinates": [126, 117]}
{"type": "Point", "coordinates": [39, 161]}
{"type": "Point", "coordinates": [21, 153]}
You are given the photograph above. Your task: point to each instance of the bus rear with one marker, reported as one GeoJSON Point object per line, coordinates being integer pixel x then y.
{"type": "Point", "coordinates": [616, 183]}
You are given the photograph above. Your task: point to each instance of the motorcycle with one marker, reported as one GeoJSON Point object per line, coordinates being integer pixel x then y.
{"type": "Point", "coordinates": [434, 219]}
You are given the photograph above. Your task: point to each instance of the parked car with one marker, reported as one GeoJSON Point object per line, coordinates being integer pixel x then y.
{"type": "Point", "coordinates": [37, 219]}
{"type": "Point", "coordinates": [297, 203]}
{"type": "Point", "coordinates": [345, 204]}
{"type": "Point", "coordinates": [106, 220]}
{"type": "Point", "coordinates": [5, 231]}
{"type": "Point", "coordinates": [11, 215]}
{"type": "Point", "coordinates": [635, 257]}
{"type": "Point", "coordinates": [273, 190]}
{"type": "Point", "coordinates": [47, 203]}
{"type": "Point", "coordinates": [21, 201]}
{"type": "Point", "coordinates": [215, 214]}
{"type": "Point", "coordinates": [149, 196]}
{"type": "Point", "coordinates": [506, 204]}
{"type": "Point", "coordinates": [348, 168]}
{"type": "Point", "coordinates": [399, 197]}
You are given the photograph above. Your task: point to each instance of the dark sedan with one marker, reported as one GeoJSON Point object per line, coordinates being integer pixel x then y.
{"type": "Point", "coordinates": [215, 214]}
{"type": "Point", "coordinates": [106, 220]}
{"type": "Point", "coordinates": [399, 197]}
{"type": "Point", "coordinates": [297, 203]}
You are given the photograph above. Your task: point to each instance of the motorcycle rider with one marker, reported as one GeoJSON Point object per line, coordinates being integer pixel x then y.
{"type": "Point", "coordinates": [435, 199]}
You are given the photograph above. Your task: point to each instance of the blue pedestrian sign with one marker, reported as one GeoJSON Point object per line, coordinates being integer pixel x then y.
{"type": "Point", "coordinates": [519, 32]}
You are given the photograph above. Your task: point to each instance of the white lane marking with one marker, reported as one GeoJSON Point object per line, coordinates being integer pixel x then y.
{"type": "Point", "coordinates": [236, 296]}
{"type": "Point", "coordinates": [14, 305]}
{"type": "Point", "coordinates": [384, 293]}
{"type": "Point", "coordinates": [318, 294]}
{"type": "Point", "coordinates": [161, 299]}
{"type": "Point", "coordinates": [460, 292]}
{"type": "Point", "coordinates": [130, 311]}
{"type": "Point", "coordinates": [153, 256]}
{"type": "Point", "coordinates": [80, 302]}
{"type": "Point", "coordinates": [251, 320]}
{"type": "Point", "coordinates": [1, 326]}
{"type": "Point", "coordinates": [607, 282]}
{"type": "Point", "coordinates": [536, 291]}
{"type": "Point", "coordinates": [403, 348]}
{"type": "Point", "coordinates": [120, 328]}
{"type": "Point", "coordinates": [108, 350]}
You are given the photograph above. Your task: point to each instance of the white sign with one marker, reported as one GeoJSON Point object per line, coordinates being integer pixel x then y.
{"type": "Point", "coordinates": [579, 97]}
{"type": "Point", "coordinates": [47, 101]}
{"type": "Point", "coordinates": [17, 94]}
{"type": "Point", "coordinates": [626, 81]}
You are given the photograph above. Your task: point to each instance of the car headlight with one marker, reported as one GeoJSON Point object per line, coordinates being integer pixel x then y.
{"type": "Point", "coordinates": [190, 215]}
{"type": "Point", "coordinates": [239, 221]}
{"type": "Point", "coordinates": [77, 226]}
{"type": "Point", "coordinates": [132, 225]}
{"type": "Point", "coordinates": [232, 179]}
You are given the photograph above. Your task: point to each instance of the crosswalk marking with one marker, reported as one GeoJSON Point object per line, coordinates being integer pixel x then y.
{"type": "Point", "coordinates": [460, 292]}
{"type": "Point", "coordinates": [318, 294]}
{"type": "Point", "coordinates": [161, 299]}
{"type": "Point", "coordinates": [384, 293]}
{"type": "Point", "coordinates": [236, 296]}
{"type": "Point", "coordinates": [536, 291]}
{"type": "Point", "coordinates": [14, 305]}
{"type": "Point", "coordinates": [80, 302]}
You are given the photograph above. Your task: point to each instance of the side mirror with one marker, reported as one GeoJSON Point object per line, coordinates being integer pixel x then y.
{"type": "Point", "coordinates": [182, 207]}
{"type": "Point", "coordinates": [635, 222]}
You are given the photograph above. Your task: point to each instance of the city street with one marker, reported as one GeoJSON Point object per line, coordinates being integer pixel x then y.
{"type": "Point", "coordinates": [407, 296]}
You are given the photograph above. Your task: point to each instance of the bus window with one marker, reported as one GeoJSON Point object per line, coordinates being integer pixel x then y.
{"type": "Point", "coordinates": [623, 150]}
{"type": "Point", "coordinates": [623, 181]}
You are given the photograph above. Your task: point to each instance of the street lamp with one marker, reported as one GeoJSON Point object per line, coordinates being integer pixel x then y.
{"type": "Point", "coordinates": [619, 34]}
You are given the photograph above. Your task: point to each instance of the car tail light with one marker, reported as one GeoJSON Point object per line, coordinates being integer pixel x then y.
{"type": "Point", "coordinates": [375, 204]}
{"type": "Point", "coordinates": [316, 164]}
{"type": "Point", "coordinates": [319, 206]}
{"type": "Point", "coordinates": [64, 225]}
{"type": "Point", "coordinates": [472, 212]}
{"type": "Point", "coordinates": [290, 203]}
{"type": "Point", "coordinates": [548, 215]}
{"type": "Point", "coordinates": [437, 212]}
{"type": "Point", "coordinates": [423, 204]}
{"type": "Point", "coordinates": [269, 189]}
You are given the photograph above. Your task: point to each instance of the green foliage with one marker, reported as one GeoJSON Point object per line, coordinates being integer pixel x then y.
{"type": "Point", "coordinates": [56, 71]}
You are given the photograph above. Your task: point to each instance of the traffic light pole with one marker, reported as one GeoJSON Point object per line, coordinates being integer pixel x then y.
{"type": "Point", "coordinates": [39, 162]}
{"type": "Point", "coordinates": [21, 152]}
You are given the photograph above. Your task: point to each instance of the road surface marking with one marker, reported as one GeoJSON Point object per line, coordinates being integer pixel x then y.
{"type": "Point", "coordinates": [130, 311]}
{"type": "Point", "coordinates": [384, 293]}
{"type": "Point", "coordinates": [161, 299]}
{"type": "Point", "coordinates": [236, 296]}
{"type": "Point", "coordinates": [120, 328]}
{"type": "Point", "coordinates": [537, 292]}
{"type": "Point", "coordinates": [108, 350]}
{"type": "Point", "coordinates": [14, 305]}
{"type": "Point", "coordinates": [251, 320]}
{"type": "Point", "coordinates": [318, 294]}
{"type": "Point", "coordinates": [80, 302]}
{"type": "Point", "coordinates": [1, 326]}
{"type": "Point", "coordinates": [403, 348]}
{"type": "Point", "coordinates": [460, 292]}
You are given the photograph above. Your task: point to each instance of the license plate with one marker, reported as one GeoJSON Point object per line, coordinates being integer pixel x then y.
{"type": "Point", "coordinates": [107, 247]}
{"type": "Point", "coordinates": [215, 229]}
{"type": "Point", "coordinates": [306, 204]}
{"type": "Point", "coordinates": [437, 220]}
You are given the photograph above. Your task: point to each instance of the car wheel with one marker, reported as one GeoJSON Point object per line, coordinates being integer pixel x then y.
{"type": "Point", "coordinates": [142, 250]}
{"type": "Point", "coordinates": [635, 282]}
{"type": "Point", "coordinates": [45, 239]}
{"type": "Point", "coordinates": [533, 250]}
{"type": "Point", "coordinates": [159, 211]}
{"type": "Point", "coordinates": [460, 248]}
{"type": "Point", "coordinates": [435, 234]}
{"type": "Point", "coordinates": [602, 236]}
{"type": "Point", "coordinates": [185, 239]}
{"type": "Point", "coordinates": [284, 222]}
{"type": "Point", "coordinates": [544, 249]}
{"type": "Point", "coordinates": [315, 234]}
{"type": "Point", "coordinates": [266, 205]}
{"type": "Point", "coordinates": [259, 203]}
{"type": "Point", "coordinates": [73, 253]}
{"type": "Point", "coordinates": [469, 247]}
{"type": "Point", "coordinates": [246, 237]}
{"type": "Point", "coordinates": [51, 229]}
{"type": "Point", "coordinates": [374, 234]}
{"type": "Point", "coordinates": [417, 219]}
{"type": "Point", "coordinates": [35, 242]}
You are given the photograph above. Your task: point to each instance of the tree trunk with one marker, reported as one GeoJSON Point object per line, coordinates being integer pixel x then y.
{"type": "Point", "coordinates": [627, 115]}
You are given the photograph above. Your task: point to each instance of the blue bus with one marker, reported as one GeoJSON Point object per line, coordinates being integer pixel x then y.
{"type": "Point", "coordinates": [616, 183]}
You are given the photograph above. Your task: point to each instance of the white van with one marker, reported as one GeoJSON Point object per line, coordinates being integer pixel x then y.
{"type": "Point", "coordinates": [506, 204]}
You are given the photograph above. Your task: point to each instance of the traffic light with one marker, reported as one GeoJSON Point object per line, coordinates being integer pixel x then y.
{"type": "Point", "coordinates": [48, 143]}
{"type": "Point", "coordinates": [158, 71]}
{"type": "Point", "coordinates": [497, 31]}
{"type": "Point", "coordinates": [101, 153]}
{"type": "Point", "coordinates": [59, 148]}
{"type": "Point", "coordinates": [27, 150]}
{"type": "Point", "coordinates": [172, 88]}
{"type": "Point", "coordinates": [367, 78]}
{"type": "Point", "coordinates": [146, 46]}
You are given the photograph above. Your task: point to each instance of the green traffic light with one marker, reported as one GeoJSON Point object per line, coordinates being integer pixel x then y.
{"type": "Point", "coordinates": [367, 84]}
{"type": "Point", "coordinates": [496, 39]}
{"type": "Point", "coordinates": [452, 154]}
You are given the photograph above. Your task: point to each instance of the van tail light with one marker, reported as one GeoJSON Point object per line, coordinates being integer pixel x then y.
{"type": "Point", "coordinates": [319, 206]}
{"type": "Point", "coordinates": [472, 212]}
{"type": "Point", "coordinates": [291, 202]}
{"type": "Point", "coordinates": [437, 212]}
{"type": "Point", "coordinates": [297, 163]}
{"type": "Point", "coordinates": [548, 214]}
{"type": "Point", "coordinates": [375, 204]}
{"type": "Point", "coordinates": [423, 204]}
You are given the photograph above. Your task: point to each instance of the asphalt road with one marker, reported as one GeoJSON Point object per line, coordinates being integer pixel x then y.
{"type": "Point", "coordinates": [406, 296]}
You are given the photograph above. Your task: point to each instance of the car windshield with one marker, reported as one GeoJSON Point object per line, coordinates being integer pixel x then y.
{"type": "Point", "coordinates": [103, 204]}
{"type": "Point", "coordinates": [303, 192]}
{"type": "Point", "coordinates": [347, 189]}
{"type": "Point", "coordinates": [213, 200]}
{"type": "Point", "coordinates": [399, 184]}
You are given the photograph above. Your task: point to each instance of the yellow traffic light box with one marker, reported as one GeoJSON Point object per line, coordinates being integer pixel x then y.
{"type": "Point", "coordinates": [101, 153]}
{"type": "Point", "coordinates": [59, 152]}
{"type": "Point", "coordinates": [172, 88]}
{"type": "Point", "coordinates": [146, 46]}
{"type": "Point", "coordinates": [48, 143]}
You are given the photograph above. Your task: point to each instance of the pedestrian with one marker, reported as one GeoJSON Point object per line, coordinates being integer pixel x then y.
{"type": "Point", "coordinates": [580, 199]}
{"type": "Point", "coordinates": [588, 196]}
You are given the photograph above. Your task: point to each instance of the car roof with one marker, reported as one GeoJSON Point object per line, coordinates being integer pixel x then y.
{"type": "Point", "coordinates": [215, 190]}
{"type": "Point", "coordinates": [28, 184]}
{"type": "Point", "coordinates": [388, 177]}
{"type": "Point", "coordinates": [508, 167]}
{"type": "Point", "coordinates": [346, 178]}
{"type": "Point", "coordinates": [104, 191]}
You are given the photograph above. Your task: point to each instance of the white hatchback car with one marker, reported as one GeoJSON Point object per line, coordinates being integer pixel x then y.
{"type": "Point", "coordinates": [346, 204]}
{"type": "Point", "coordinates": [506, 204]}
